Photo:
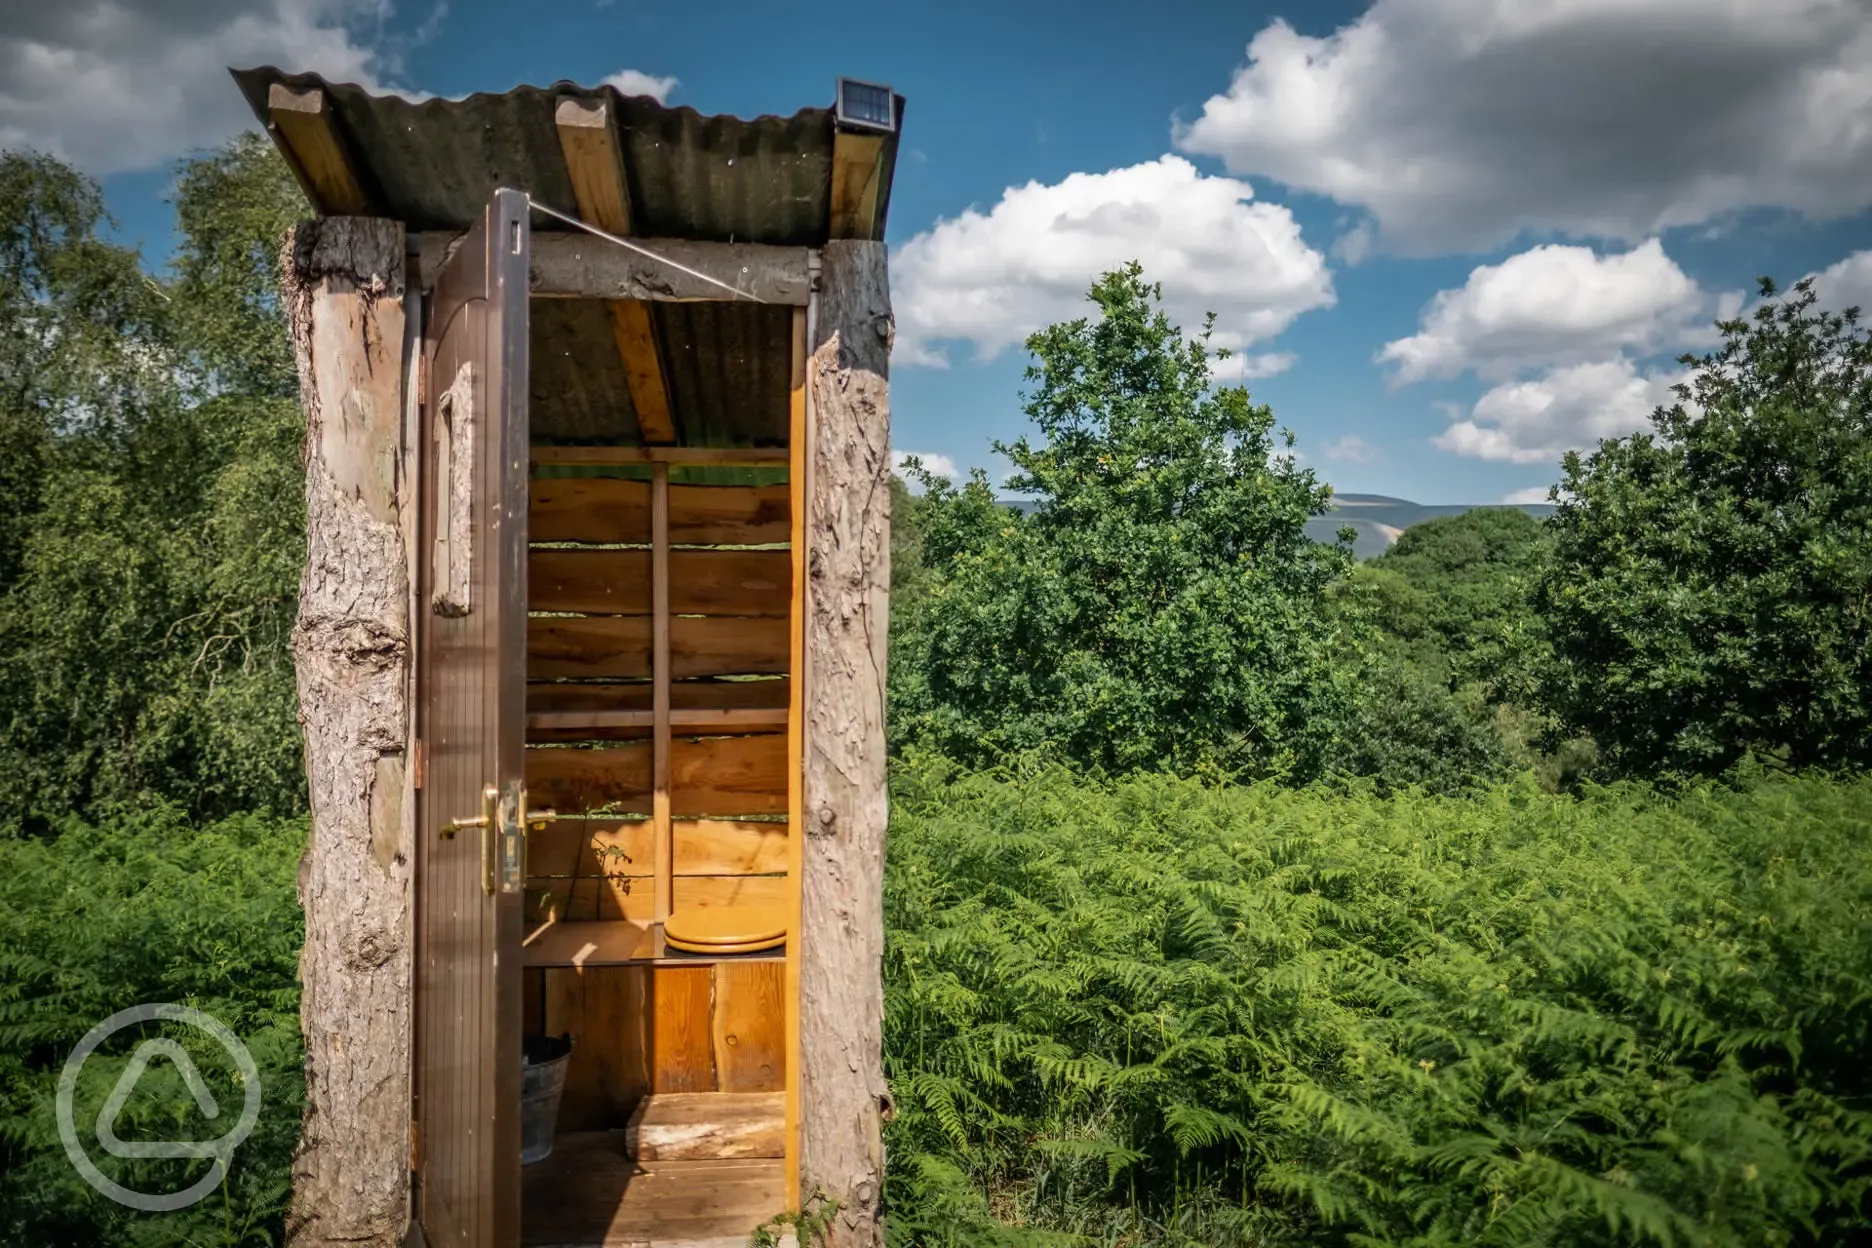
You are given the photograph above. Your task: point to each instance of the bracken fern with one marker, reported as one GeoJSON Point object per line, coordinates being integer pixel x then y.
{"type": "Point", "coordinates": [1153, 1012]}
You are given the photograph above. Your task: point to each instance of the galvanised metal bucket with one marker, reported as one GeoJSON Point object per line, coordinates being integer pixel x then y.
{"type": "Point", "coordinates": [542, 1082]}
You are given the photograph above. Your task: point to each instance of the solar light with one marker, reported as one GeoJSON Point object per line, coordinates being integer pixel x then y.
{"type": "Point", "coordinates": [866, 106]}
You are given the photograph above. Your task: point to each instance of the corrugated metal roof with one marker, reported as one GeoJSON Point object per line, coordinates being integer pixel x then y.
{"type": "Point", "coordinates": [729, 368]}
{"type": "Point", "coordinates": [433, 165]}
{"type": "Point", "coordinates": [577, 392]}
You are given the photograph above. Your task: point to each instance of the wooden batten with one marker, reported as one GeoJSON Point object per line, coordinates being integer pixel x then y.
{"type": "Point", "coordinates": [574, 698]}
{"type": "Point", "coordinates": [303, 129]}
{"type": "Point", "coordinates": [595, 162]}
{"type": "Point", "coordinates": [676, 456]}
{"type": "Point", "coordinates": [799, 439]}
{"type": "Point", "coordinates": [660, 685]}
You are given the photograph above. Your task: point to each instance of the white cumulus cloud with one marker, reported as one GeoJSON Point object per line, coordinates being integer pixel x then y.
{"type": "Point", "coordinates": [114, 85]}
{"type": "Point", "coordinates": [935, 465]}
{"type": "Point", "coordinates": [991, 278]}
{"type": "Point", "coordinates": [1847, 284]}
{"type": "Point", "coordinates": [1460, 123]}
{"type": "Point", "coordinates": [1350, 448]}
{"type": "Point", "coordinates": [1239, 367]}
{"type": "Point", "coordinates": [1564, 409]}
{"type": "Point", "coordinates": [637, 82]}
{"type": "Point", "coordinates": [1531, 494]}
{"type": "Point", "coordinates": [1555, 305]}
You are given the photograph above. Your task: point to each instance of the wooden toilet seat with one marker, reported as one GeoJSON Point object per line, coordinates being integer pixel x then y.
{"type": "Point", "coordinates": [726, 929]}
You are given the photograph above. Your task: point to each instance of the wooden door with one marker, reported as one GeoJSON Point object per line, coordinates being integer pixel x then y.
{"type": "Point", "coordinates": [471, 704]}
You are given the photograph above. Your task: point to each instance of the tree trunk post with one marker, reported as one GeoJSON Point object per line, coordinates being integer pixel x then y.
{"type": "Point", "coordinates": [342, 279]}
{"type": "Point", "coordinates": [843, 1096]}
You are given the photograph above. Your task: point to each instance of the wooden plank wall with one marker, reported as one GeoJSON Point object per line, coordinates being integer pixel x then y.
{"type": "Point", "coordinates": [592, 642]}
{"type": "Point", "coordinates": [638, 1029]}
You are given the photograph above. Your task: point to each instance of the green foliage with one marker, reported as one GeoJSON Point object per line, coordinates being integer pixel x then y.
{"type": "Point", "coordinates": [146, 907]}
{"type": "Point", "coordinates": [1709, 591]}
{"type": "Point", "coordinates": [1451, 647]}
{"type": "Point", "coordinates": [1156, 1013]}
{"type": "Point", "coordinates": [151, 440]}
{"type": "Point", "coordinates": [1406, 729]}
{"type": "Point", "coordinates": [1161, 606]}
{"type": "Point", "coordinates": [1457, 593]}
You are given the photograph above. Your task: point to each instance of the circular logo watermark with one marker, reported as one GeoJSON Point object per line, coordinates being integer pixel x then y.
{"type": "Point", "coordinates": [222, 1150]}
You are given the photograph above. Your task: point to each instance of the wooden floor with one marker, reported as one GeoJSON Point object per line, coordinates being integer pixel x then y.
{"type": "Point", "coordinates": [588, 1194]}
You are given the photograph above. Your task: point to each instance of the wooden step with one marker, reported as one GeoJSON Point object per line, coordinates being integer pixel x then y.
{"type": "Point", "coordinates": [698, 1126]}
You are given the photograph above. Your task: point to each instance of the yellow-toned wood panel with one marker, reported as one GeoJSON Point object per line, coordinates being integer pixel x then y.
{"type": "Point", "coordinates": [615, 511]}
{"type": "Point", "coordinates": [591, 847]}
{"type": "Point", "coordinates": [749, 1026]}
{"type": "Point", "coordinates": [702, 582]}
{"type": "Point", "coordinates": [729, 776]}
{"type": "Point", "coordinates": [682, 1050]}
{"type": "Point", "coordinates": [571, 781]}
{"type": "Point", "coordinates": [719, 776]}
{"type": "Point", "coordinates": [618, 646]}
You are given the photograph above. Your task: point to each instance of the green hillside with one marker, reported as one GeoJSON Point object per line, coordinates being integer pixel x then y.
{"type": "Point", "coordinates": [1379, 519]}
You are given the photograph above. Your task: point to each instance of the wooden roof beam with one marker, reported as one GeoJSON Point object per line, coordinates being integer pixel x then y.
{"type": "Point", "coordinates": [595, 162]}
{"type": "Point", "coordinates": [857, 178]}
{"type": "Point", "coordinates": [306, 134]}
{"type": "Point", "coordinates": [575, 265]}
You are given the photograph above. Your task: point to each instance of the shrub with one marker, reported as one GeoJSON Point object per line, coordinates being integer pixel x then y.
{"type": "Point", "coordinates": [1159, 1013]}
{"type": "Point", "coordinates": [142, 908]}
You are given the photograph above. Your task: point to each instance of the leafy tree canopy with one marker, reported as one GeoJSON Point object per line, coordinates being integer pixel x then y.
{"type": "Point", "coordinates": [151, 543]}
{"type": "Point", "coordinates": [1160, 606]}
{"type": "Point", "coordinates": [1454, 597]}
{"type": "Point", "coordinates": [1711, 590]}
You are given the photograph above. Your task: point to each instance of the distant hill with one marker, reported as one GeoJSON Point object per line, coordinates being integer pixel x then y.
{"type": "Point", "coordinates": [1376, 518]}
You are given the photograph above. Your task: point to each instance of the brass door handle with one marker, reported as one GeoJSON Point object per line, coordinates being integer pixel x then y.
{"type": "Point", "coordinates": [490, 801]}
{"type": "Point", "coordinates": [503, 837]}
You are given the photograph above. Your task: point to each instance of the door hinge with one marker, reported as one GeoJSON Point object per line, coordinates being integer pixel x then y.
{"type": "Point", "coordinates": [422, 381]}
{"type": "Point", "coordinates": [419, 764]}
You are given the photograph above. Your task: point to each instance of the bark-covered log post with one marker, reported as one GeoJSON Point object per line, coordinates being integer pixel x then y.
{"type": "Point", "coordinates": [342, 279]}
{"type": "Point", "coordinates": [843, 1097]}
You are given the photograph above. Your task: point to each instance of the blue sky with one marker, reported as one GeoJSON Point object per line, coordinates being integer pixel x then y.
{"type": "Point", "coordinates": [1458, 236]}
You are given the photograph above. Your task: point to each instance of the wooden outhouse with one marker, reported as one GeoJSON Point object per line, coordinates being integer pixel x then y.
{"type": "Point", "coordinates": [591, 659]}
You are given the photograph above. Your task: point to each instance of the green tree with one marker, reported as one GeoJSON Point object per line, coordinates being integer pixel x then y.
{"type": "Point", "coordinates": [1457, 593]}
{"type": "Point", "coordinates": [1161, 605]}
{"type": "Point", "coordinates": [149, 571]}
{"type": "Point", "coordinates": [1711, 590]}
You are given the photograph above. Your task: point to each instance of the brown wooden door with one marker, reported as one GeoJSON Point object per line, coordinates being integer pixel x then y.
{"type": "Point", "coordinates": [472, 689]}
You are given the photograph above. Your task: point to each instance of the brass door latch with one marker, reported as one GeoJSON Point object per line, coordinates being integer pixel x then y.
{"type": "Point", "coordinates": [503, 836]}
